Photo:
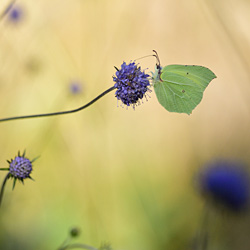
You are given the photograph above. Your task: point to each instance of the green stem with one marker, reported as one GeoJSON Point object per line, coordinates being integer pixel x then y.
{"type": "Point", "coordinates": [60, 112]}
{"type": "Point", "coordinates": [78, 245]}
{"type": "Point", "coordinates": [4, 169]}
{"type": "Point", "coordinates": [3, 186]}
{"type": "Point", "coordinates": [201, 239]}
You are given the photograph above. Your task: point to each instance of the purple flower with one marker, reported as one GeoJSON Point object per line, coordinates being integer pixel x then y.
{"type": "Point", "coordinates": [75, 87]}
{"type": "Point", "coordinates": [227, 184]}
{"type": "Point", "coordinates": [20, 167]}
{"type": "Point", "coordinates": [131, 83]}
{"type": "Point", "coordinates": [15, 14]}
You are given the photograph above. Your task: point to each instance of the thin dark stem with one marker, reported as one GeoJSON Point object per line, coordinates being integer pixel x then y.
{"type": "Point", "coordinates": [64, 244]}
{"type": "Point", "coordinates": [3, 186]}
{"type": "Point", "coordinates": [201, 239]}
{"type": "Point", "coordinates": [204, 230]}
{"type": "Point", "coordinates": [78, 245]}
{"type": "Point", "coordinates": [60, 112]}
{"type": "Point", "coordinates": [2, 15]}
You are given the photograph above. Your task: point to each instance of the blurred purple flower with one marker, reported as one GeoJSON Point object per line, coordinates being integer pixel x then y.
{"type": "Point", "coordinates": [75, 87]}
{"type": "Point", "coordinates": [226, 183]}
{"type": "Point", "coordinates": [15, 14]}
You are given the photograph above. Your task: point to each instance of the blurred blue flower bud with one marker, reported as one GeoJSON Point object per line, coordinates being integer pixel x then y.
{"type": "Point", "coordinates": [75, 87]}
{"type": "Point", "coordinates": [15, 14]}
{"type": "Point", "coordinates": [226, 183]}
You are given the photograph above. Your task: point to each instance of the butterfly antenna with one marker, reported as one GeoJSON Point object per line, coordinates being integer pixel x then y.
{"type": "Point", "coordinates": [158, 63]}
{"type": "Point", "coordinates": [143, 57]}
{"type": "Point", "coordinates": [157, 58]}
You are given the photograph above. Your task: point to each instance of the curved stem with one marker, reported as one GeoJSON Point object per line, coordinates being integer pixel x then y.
{"type": "Point", "coordinates": [60, 112]}
{"type": "Point", "coordinates": [78, 245]}
{"type": "Point", "coordinates": [64, 243]}
{"type": "Point", "coordinates": [3, 186]}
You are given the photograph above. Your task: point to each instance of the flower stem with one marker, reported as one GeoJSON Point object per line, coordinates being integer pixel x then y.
{"type": "Point", "coordinates": [5, 12]}
{"type": "Point", "coordinates": [60, 112]}
{"type": "Point", "coordinates": [77, 245]}
{"type": "Point", "coordinates": [201, 239]}
{"type": "Point", "coordinates": [3, 186]}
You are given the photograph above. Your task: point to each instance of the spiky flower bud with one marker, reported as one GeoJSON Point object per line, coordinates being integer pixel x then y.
{"type": "Point", "coordinates": [131, 82]}
{"type": "Point", "coordinates": [20, 167]}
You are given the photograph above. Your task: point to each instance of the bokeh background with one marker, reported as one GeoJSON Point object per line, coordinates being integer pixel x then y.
{"type": "Point", "coordinates": [122, 176]}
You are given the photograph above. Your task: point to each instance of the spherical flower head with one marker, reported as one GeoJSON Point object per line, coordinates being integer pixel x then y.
{"type": "Point", "coordinates": [131, 82]}
{"type": "Point", "coordinates": [227, 184]}
{"type": "Point", "coordinates": [20, 168]}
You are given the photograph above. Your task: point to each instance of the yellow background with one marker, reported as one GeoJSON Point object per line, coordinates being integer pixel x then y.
{"type": "Point", "coordinates": [122, 176]}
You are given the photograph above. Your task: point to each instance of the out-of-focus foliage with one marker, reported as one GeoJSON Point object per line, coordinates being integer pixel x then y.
{"type": "Point", "coordinates": [122, 176]}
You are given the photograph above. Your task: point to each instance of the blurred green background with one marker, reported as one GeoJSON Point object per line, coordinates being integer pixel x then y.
{"type": "Point", "coordinates": [122, 176]}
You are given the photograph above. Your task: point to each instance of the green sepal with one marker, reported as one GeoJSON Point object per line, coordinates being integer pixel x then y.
{"type": "Point", "coordinates": [5, 169]}
{"type": "Point", "coordinates": [14, 183]}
